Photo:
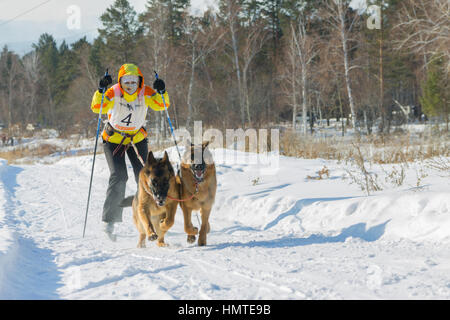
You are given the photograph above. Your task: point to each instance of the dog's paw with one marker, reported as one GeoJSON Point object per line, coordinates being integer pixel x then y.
{"type": "Point", "coordinates": [201, 241]}
{"type": "Point", "coordinates": [192, 231]}
{"type": "Point", "coordinates": [141, 245]}
{"type": "Point", "coordinates": [153, 237]}
{"type": "Point", "coordinates": [190, 239]}
{"type": "Point", "coordinates": [162, 244]}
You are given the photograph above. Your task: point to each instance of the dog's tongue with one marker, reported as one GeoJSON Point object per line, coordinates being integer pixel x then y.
{"type": "Point", "coordinates": [199, 173]}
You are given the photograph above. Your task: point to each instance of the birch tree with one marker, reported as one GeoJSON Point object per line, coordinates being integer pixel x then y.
{"type": "Point", "coordinates": [337, 14]}
{"type": "Point", "coordinates": [10, 67]}
{"type": "Point", "coordinates": [31, 68]}
{"type": "Point", "coordinates": [291, 69]}
{"type": "Point", "coordinates": [305, 51]}
{"type": "Point", "coordinates": [230, 15]}
{"type": "Point", "coordinates": [154, 49]}
{"type": "Point", "coordinates": [201, 40]}
{"type": "Point", "coordinates": [254, 42]}
{"type": "Point", "coordinates": [426, 29]}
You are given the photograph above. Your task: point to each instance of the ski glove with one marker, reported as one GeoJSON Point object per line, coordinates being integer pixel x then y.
{"type": "Point", "coordinates": [159, 86]}
{"type": "Point", "coordinates": [105, 81]}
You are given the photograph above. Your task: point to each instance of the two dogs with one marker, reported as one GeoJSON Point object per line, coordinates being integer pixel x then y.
{"type": "Point", "coordinates": [160, 191]}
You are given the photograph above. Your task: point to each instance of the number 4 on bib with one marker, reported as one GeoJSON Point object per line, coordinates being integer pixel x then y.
{"type": "Point", "coordinates": [126, 120]}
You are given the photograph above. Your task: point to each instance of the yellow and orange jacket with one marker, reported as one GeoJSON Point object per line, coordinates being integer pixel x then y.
{"type": "Point", "coordinates": [127, 113]}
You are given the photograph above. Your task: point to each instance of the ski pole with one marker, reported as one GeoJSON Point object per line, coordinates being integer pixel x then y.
{"type": "Point", "coordinates": [95, 152]}
{"type": "Point", "coordinates": [168, 119]}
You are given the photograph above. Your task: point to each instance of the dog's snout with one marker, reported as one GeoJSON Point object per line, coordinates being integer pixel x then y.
{"type": "Point", "coordinates": [199, 166]}
{"type": "Point", "coordinates": [160, 200]}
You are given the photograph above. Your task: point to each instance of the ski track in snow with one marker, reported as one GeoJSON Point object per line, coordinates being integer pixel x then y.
{"type": "Point", "coordinates": [284, 238]}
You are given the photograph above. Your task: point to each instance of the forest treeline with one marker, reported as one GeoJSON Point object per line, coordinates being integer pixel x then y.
{"type": "Point", "coordinates": [251, 63]}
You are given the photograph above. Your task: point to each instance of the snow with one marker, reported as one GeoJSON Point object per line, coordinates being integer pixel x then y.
{"type": "Point", "coordinates": [274, 236]}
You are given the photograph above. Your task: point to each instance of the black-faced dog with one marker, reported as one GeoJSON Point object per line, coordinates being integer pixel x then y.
{"type": "Point", "coordinates": [153, 209]}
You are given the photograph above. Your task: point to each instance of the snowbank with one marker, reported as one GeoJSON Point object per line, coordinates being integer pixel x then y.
{"type": "Point", "coordinates": [7, 243]}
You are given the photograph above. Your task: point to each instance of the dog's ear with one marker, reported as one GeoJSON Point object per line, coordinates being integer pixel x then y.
{"type": "Point", "coordinates": [185, 165]}
{"type": "Point", "coordinates": [151, 158]}
{"type": "Point", "coordinates": [166, 157]}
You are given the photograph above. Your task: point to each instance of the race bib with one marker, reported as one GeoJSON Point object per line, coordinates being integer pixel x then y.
{"type": "Point", "coordinates": [128, 116]}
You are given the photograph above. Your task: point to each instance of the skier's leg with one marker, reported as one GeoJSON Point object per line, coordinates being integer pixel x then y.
{"type": "Point", "coordinates": [142, 148]}
{"type": "Point", "coordinates": [115, 193]}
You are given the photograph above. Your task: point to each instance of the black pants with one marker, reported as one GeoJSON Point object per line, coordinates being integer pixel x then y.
{"type": "Point", "coordinates": [119, 176]}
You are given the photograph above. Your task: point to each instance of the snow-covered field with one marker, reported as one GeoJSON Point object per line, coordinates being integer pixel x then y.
{"type": "Point", "coordinates": [277, 235]}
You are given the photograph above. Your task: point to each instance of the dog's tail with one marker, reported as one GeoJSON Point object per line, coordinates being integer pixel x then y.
{"type": "Point", "coordinates": [127, 202]}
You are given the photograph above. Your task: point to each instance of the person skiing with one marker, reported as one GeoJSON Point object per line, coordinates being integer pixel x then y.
{"type": "Point", "coordinates": [125, 104]}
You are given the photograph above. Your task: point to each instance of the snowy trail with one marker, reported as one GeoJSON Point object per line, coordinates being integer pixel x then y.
{"type": "Point", "coordinates": [285, 237]}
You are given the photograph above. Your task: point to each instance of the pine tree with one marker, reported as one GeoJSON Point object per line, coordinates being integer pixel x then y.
{"type": "Point", "coordinates": [48, 52]}
{"type": "Point", "coordinates": [10, 70]}
{"type": "Point", "coordinates": [172, 17]}
{"type": "Point", "coordinates": [121, 32]}
{"type": "Point", "coordinates": [97, 56]}
{"type": "Point", "coordinates": [176, 9]}
{"type": "Point", "coordinates": [49, 59]}
{"type": "Point", "coordinates": [434, 99]}
{"type": "Point", "coordinates": [66, 72]}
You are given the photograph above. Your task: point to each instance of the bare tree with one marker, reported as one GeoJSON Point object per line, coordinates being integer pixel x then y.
{"type": "Point", "coordinates": [32, 75]}
{"type": "Point", "coordinates": [425, 25]}
{"type": "Point", "coordinates": [328, 78]}
{"type": "Point", "coordinates": [231, 11]}
{"type": "Point", "coordinates": [289, 76]}
{"type": "Point", "coordinates": [256, 37]}
{"type": "Point", "coordinates": [155, 51]}
{"type": "Point", "coordinates": [305, 51]}
{"type": "Point", "coordinates": [10, 67]}
{"type": "Point", "coordinates": [201, 40]}
{"type": "Point", "coordinates": [338, 16]}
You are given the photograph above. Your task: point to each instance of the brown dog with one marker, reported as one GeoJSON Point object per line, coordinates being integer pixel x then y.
{"type": "Point", "coordinates": [198, 189]}
{"type": "Point", "coordinates": [153, 209]}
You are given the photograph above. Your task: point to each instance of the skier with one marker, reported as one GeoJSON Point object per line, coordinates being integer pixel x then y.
{"type": "Point", "coordinates": [126, 105]}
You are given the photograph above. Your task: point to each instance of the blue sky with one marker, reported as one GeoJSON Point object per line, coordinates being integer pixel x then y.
{"type": "Point", "coordinates": [51, 16]}
{"type": "Point", "coordinates": [23, 21]}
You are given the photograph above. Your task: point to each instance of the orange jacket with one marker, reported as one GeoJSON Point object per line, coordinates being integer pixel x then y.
{"type": "Point", "coordinates": [127, 113]}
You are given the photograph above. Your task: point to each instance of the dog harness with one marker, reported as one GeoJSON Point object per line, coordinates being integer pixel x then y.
{"type": "Point", "coordinates": [126, 135]}
{"type": "Point", "coordinates": [187, 199]}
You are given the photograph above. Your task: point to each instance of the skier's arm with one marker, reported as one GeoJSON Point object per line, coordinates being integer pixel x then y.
{"type": "Point", "coordinates": [154, 100]}
{"type": "Point", "coordinates": [107, 101]}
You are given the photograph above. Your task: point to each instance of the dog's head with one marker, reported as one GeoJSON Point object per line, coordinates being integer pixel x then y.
{"type": "Point", "coordinates": [158, 173]}
{"type": "Point", "coordinates": [197, 158]}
